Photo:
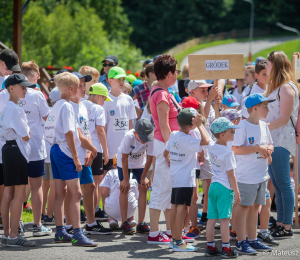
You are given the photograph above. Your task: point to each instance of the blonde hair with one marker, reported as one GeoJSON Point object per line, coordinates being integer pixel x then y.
{"type": "Point", "coordinates": [153, 83]}
{"type": "Point", "coordinates": [185, 71]}
{"type": "Point", "coordinates": [29, 69]}
{"type": "Point", "coordinates": [127, 87]}
{"type": "Point", "coordinates": [65, 80]}
{"type": "Point", "coordinates": [251, 69]}
{"type": "Point", "coordinates": [87, 70]}
{"type": "Point", "coordinates": [281, 71]}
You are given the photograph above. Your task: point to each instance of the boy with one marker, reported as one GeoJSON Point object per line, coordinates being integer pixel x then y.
{"type": "Point", "coordinates": [9, 63]}
{"type": "Point", "coordinates": [119, 114]}
{"type": "Point", "coordinates": [229, 102]}
{"type": "Point", "coordinates": [15, 156]}
{"type": "Point", "coordinates": [135, 146]}
{"type": "Point", "coordinates": [252, 146]}
{"type": "Point", "coordinates": [181, 154]}
{"type": "Point", "coordinates": [98, 93]}
{"type": "Point", "coordinates": [110, 188]}
{"type": "Point", "coordinates": [62, 132]}
{"type": "Point", "coordinates": [31, 71]}
{"type": "Point", "coordinates": [87, 70]}
{"type": "Point", "coordinates": [223, 187]}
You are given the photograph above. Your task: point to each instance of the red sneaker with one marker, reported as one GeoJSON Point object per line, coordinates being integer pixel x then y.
{"type": "Point", "coordinates": [28, 206]}
{"type": "Point", "coordinates": [161, 239]}
{"type": "Point", "coordinates": [185, 238]}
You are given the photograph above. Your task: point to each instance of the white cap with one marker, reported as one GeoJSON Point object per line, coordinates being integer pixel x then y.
{"type": "Point", "coordinates": [244, 112]}
{"type": "Point", "coordinates": [54, 95]}
{"type": "Point", "coordinates": [193, 84]}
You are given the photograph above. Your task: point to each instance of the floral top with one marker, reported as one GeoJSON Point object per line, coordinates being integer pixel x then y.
{"type": "Point", "coordinates": [284, 136]}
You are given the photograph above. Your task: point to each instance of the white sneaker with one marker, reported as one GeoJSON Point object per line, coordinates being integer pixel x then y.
{"type": "Point", "coordinates": [132, 223]}
{"type": "Point", "coordinates": [113, 224]}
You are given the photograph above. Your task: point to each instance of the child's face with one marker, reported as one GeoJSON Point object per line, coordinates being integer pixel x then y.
{"type": "Point", "coordinates": [248, 78]}
{"type": "Point", "coordinates": [81, 89]}
{"type": "Point", "coordinates": [4, 71]}
{"type": "Point", "coordinates": [200, 94]}
{"type": "Point", "coordinates": [18, 90]}
{"type": "Point", "coordinates": [101, 100]}
{"type": "Point", "coordinates": [269, 67]}
{"type": "Point", "coordinates": [116, 83]}
{"type": "Point", "coordinates": [262, 76]}
{"type": "Point", "coordinates": [138, 138]}
{"type": "Point", "coordinates": [125, 91]}
{"type": "Point", "coordinates": [240, 82]}
{"type": "Point", "coordinates": [228, 135]}
{"type": "Point", "coordinates": [262, 110]}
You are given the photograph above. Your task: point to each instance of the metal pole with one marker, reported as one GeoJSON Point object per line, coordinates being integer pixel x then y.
{"type": "Point", "coordinates": [251, 28]}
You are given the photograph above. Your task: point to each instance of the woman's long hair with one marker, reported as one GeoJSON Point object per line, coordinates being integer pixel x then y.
{"type": "Point", "coordinates": [281, 71]}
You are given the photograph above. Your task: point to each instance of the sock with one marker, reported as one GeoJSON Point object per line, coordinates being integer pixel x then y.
{"type": "Point", "coordinates": [24, 204]}
{"type": "Point", "coordinates": [226, 245]}
{"type": "Point", "coordinates": [153, 234]}
{"type": "Point", "coordinates": [37, 225]}
{"type": "Point", "coordinates": [68, 226]}
{"type": "Point", "coordinates": [169, 232]}
{"type": "Point", "coordinates": [60, 229]}
{"type": "Point", "coordinates": [93, 224]}
{"type": "Point", "coordinates": [252, 240]}
{"type": "Point", "coordinates": [211, 244]}
{"type": "Point", "coordinates": [204, 217]}
{"type": "Point", "coordinates": [178, 242]}
{"type": "Point", "coordinates": [263, 230]}
{"type": "Point", "coordinates": [77, 231]}
{"type": "Point", "coordinates": [14, 237]}
{"type": "Point", "coordinates": [97, 208]}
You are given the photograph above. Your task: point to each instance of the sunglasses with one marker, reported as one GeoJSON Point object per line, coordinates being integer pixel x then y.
{"type": "Point", "coordinates": [109, 65]}
{"type": "Point", "coordinates": [178, 71]}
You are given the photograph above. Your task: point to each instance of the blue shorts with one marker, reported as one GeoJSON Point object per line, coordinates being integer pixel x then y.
{"type": "Point", "coordinates": [63, 167]}
{"type": "Point", "coordinates": [36, 169]}
{"type": "Point", "coordinates": [137, 173]}
{"type": "Point", "coordinates": [86, 175]}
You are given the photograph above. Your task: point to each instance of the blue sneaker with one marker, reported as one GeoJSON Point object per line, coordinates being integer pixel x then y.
{"type": "Point", "coordinates": [194, 233]}
{"type": "Point", "coordinates": [171, 243]}
{"type": "Point", "coordinates": [62, 237]}
{"type": "Point", "coordinates": [79, 239]}
{"type": "Point", "coordinates": [257, 245]}
{"type": "Point", "coordinates": [199, 214]}
{"type": "Point", "coordinates": [183, 247]}
{"type": "Point", "coordinates": [245, 249]}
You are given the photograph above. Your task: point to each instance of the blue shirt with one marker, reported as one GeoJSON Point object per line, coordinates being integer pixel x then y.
{"type": "Point", "coordinates": [102, 79]}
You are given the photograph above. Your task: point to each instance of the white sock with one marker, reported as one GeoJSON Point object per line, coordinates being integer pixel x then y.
{"type": "Point", "coordinates": [169, 232]}
{"type": "Point", "coordinates": [252, 240]}
{"type": "Point", "coordinates": [93, 224]}
{"type": "Point", "coordinates": [97, 208]}
{"type": "Point", "coordinates": [153, 234]}
{"type": "Point", "coordinates": [14, 238]}
{"type": "Point", "coordinates": [263, 230]}
{"type": "Point", "coordinates": [68, 226]}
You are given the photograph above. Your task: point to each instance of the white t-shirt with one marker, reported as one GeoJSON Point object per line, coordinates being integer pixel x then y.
{"type": "Point", "coordinates": [118, 112]}
{"type": "Point", "coordinates": [222, 160]}
{"type": "Point", "coordinates": [255, 89]}
{"type": "Point", "coordinates": [96, 116]}
{"type": "Point", "coordinates": [196, 134]}
{"type": "Point", "coordinates": [146, 115]}
{"type": "Point", "coordinates": [112, 181]}
{"type": "Point", "coordinates": [183, 150]}
{"type": "Point", "coordinates": [4, 97]}
{"type": "Point", "coordinates": [136, 150]}
{"type": "Point", "coordinates": [252, 168]}
{"type": "Point", "coordinates": [239, 97]}
{"type": "Point", "coordinates": [36, 107]}
{"type": "Point", "coordinates": [48, 145]}
{"type": "Point", "coordinates": [85, 98]}
{"type": "Point", "coordinates": [14, 126]}
{"type": "Point", "coordinates": [63, 120]}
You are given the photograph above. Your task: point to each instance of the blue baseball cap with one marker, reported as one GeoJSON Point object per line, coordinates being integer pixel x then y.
{"type": "Point", "coordinates": [156, 57]}
{"type": "Point", "coordinates": [137, 82]}
{"type": "Point", "coordinates": [255, 99]}
{"type": "Point", "coordinates": [88, 78]}
{"type": "Point", "coordinates": [221, 124]}
{"type": "Point", "coordinates": [230, 101]}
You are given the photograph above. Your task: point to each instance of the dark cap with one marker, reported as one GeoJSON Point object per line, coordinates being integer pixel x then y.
{"type": "Point", "coordinates": [87, 78]}
{"type": "Point", "coordinates": [18, 78]}
{"type": "Point", "coordinates": [60, 71]}
{"type": "Point", "coordinates": [10, 59]}
{"type": "Point", "coordinates": [111, 58]}
{"type": "Point", "coordinates": [144, 129]}
{"type": "Point", "coordinates": [186, 82]}
{"type": "Point", "coordinates": [186, 115]}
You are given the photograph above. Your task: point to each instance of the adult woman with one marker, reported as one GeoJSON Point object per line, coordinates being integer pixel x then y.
{"type": "Point", "coordinates": [164, 110]}
{"type": "Point", "coordinates": [283, 87]}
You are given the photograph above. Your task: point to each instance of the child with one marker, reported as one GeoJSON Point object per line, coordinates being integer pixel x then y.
{"type": "Point", "coordinates": [229, 101]}
{"type": "Point", "coordinates": [135, 146]}
{"type": "Point", "coordinates": [9, 63]}
{"type": "Point", "coordinates": [252, 146]}
{"type": "Point", "coordinates": [31, 71]}
{"type": "Point", "coordinates": [238, 90]}
{"type": "Point", "coordinates": [63, 134]}
{"type": "Point", "coordinates": [249, 79]}
{"type": "Point", "coordinates": [110, 194]}
{"type": "Point", "coordinates": [118, 113]}
{"type": "Point", "coordinates": [98, 93]}
{"type": "Point", "coordinates": [87, 70]}
{"type": "Point", "coordinates": [15, 156]}
{"type": "Point", "coordinates": [223, 187]}
{"type": "Point", "coordinates": [181, 154]}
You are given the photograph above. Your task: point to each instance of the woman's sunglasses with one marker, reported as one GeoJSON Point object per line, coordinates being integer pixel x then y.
{"type": "Point", "coordinates": [109, 65]}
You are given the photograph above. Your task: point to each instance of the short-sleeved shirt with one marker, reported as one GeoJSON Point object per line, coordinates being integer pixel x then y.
{"type": "Point", "coordinates": [4, 97]}
{"type": "Point", "coordinates": [196, 134]}
{"type": "Point", "coordinates": [156, 98]}
{"type": "Point", "coordinates": [142, 93]}
{"type": "Point", "coordinates": [103, 80]}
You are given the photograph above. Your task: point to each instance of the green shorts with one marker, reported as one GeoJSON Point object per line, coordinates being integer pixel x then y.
{"type": "Point", "coordinates": [220, 201]}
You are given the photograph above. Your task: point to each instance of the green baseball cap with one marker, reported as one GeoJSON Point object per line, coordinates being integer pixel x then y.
{"type": "Point", "coordinates": [130, 78]}
{"type": "Point", "coordinates": [99, 89]}
{"type": "Point", "coordinates": [116, 73]}
{"type": "Point", "coordinates": [186, 115]}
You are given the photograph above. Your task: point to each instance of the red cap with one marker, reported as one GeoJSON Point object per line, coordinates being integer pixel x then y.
{"type": "Point", "coordinates": [190, 102]}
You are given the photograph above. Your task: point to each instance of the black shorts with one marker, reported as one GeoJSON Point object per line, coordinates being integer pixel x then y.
{"type": "Point", "coordinates": [109, 166]}
{"type": "Point", "coordinates": [97, 166]}
{"type": "Point", "coordinates": [198, 174]}
{"type": "Point", "coordinates": [15, 168]}
{"type": "Point", "coordinates": [1, 175]}
{"type": "Point", "coordinates": [182, 196]}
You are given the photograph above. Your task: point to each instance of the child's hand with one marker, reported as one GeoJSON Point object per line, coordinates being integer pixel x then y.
{"type": "Point", "coordinates": [237, 199]}
{"type": "Point", "coordinates": [263, 150]}
{"type": "Point", "coordinates": [88, 159]}
{"type": "Point", "coordinates": [145, 183]}
{"type": "Point", "coordinates": [214, 91]}
{"type": "Point", "coordinates": [201, 156]}
{"type": "Point", "coordinates": [124, 186]}
{"type": "Point", "coordinates": [197, 120]}
{"type": "Point", "coordinates": [106, 157]}
{"type": "Point", "coordinates": [78, 165]}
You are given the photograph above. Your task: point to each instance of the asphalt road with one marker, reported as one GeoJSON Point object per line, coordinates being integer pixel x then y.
{"type": "Point", "coordinates": [118, 246]}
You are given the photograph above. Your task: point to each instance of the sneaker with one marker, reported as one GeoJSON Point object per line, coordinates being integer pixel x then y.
{"type": "Point", "coordinates": [126, 228]}
{"type": "Point", "coordinates": [171, 243]}
{"type": "Point", "coordinates": [266, 237]}
{"type": "Point", "coordinates": [81, 240]}
{"type": "Point", "coordinates": [62, 238]}
{"type": "Point", "coordinates": [98, 229]}
{"type": "Point", "coordinates": [160, 239]}
{"type": "Point", "coordinates": [3, 240]}
{"type": "Point", "coordinates": [100, 215]}
{"type": "Point", "coordinates": [228, 253]}
{"type": "Point", "coordinates": [281, 233]}
{"type": "Point", "coordinates": [183, 247]}
{"type": "Point", "coordinates": [70, 231]}
{"type": "Point", "coordinates": [42, 218]}
{"type": "Point", "coordinates": [194, 233]}
{"type": "Point", "coordinates": [142, 228]}
{"type": "Point", "coordinates": [245, 249]}
{"type": "Point", "coordinates": [21, 229]}
{"type": "Point", "coordinates": [1, 224]}
{"type": "Point", "coordinates": [212, 251]}
{"type": "Point", "coordinates": [184, 237]}
{"type": "Point", "coordinates": [233, 236]}
{"type": "Point", "coordinates": [217, 226]}
{"type": "Point", "coordinates": [49, 221]}
{"type": "Point", "coordinates": [20, 241]}
{"type": "Point", "coordinates": [272, 228]}
{"type": "Point", "coordinates": [258, 246]}
{"type": "Point", "coordinates": [82, 217]}
{"type": "Point", "coordinates": [113, 224]}
{"type": "Point", "coordinates": [27, 207]}
{"type": "Point", "coordinates": [201, 225]}
{"type": "Point", "coordinates": [132, 223]}
{"type": "Point", "coordinates": [41, 231]}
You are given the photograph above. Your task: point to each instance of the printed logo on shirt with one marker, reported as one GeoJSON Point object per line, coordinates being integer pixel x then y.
{"type": "Point", "coordinates": [251, 140]}
{"type": "Point", "coordinates": [89, 112]}
{"type": "Point", "coordinates": [80, 120]}
{"type": "Point", "coordinates": [132, 147]}
{"type": "Point", "coordinates": [22, 103]}
{"type": "Point", "coordinates": [176, 146]}
{"type": "Point", "coordinates": [213, 157]}
{"type": "Point", "coordinates": [120, 124]}
{"type": "Point", "coordinates": [51, 119]}
{"type": "Point", "coordinates": [112, 112]}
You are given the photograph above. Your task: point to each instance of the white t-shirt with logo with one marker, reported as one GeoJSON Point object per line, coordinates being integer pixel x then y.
{"type": "Point", "coordinates": [255, 89]}
{"type": "Point", "coordinates": [112, 181]}
{"type": "Point", "coordinates": [222, 160]}
{"type": "Point", "coordinates": [14, 126]}
{"type": "Point", "coordinates": [252, 168]}
{"type": "Point", "coordinates": [196, 134]}
{"type": "Point", "coordinates": [136, 150]}
{"type": "Point", "coordinates": [4, 97]}
{"type": "Point", "coordinates": [35, 107]}
{"type": "Point", "coordinates": [183, 150]}
{"type": "Point", "coordinates": [63, 120]}
{"type": "Point", "coordinates": [96, 116]}
{"type": "Point", "coordinates": [118, 112]}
